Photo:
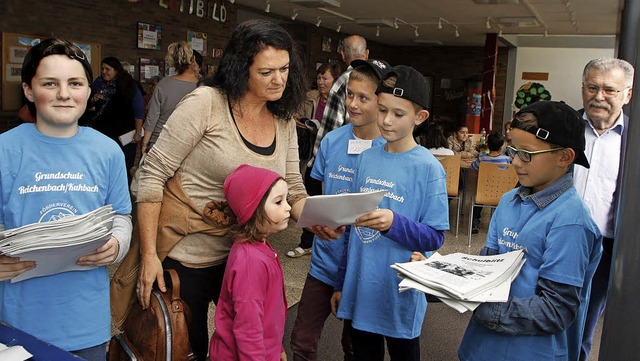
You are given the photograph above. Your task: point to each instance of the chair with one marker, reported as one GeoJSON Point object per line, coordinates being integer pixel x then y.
{"type": "Point", "coordinates": [494, 180]}
{"type": "Point", "coordinates": [451, 165]}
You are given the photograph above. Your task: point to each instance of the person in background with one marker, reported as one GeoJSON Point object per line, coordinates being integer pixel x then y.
{"type": "Point", "coordinates": [412, 216]}
{"type": "Point", "coordinates": [434, 140]}
{"type": "Point", "coordinates": [337, 156]}
{"type": "Point", "coordinates": [170, 90]}
{"type": "Point", "coordinates": [335, 115]}
{"type": "Point", "coordinates": [117, 106]}
{"type": "Point", "coordinates": [495, 141]}
{"type": "Point", "coordinates": [242, 115]}
{"type": "Point", "coordinates": [313, 107]}
{"type": "Point", "coordinates": [251, 311]}
{"type": "Point", "coordinates": [607, 85]}
{"type": "Point", "coordinates": [544, 315]}
{"type": "Point", "coordinates": [70, 309]}
{"type": "Point", "coordinates": [507, 134]}
{"type": "Point", "coordinates": [460, 142]}
{"type": "Point", "coordinates": [151, 87]}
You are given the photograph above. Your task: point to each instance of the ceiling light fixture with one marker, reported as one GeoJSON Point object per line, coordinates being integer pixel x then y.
{"type": "Point", "coordinates": [336, 13]}
{"type": "Point", "coordinates": [295, 14]}
{"type": "Point", "coordinates": [339, 28]}
{"type": "Point", "coordinates": [377, 30]}
{"type": "Point", "coordinates": [316, 3]}
{"type": "Point", "coordinates": [318, 22]}
{"type": "Point", "coordinates": [268, 8]}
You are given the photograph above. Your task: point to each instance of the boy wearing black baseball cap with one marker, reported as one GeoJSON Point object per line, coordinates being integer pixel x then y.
{"type": "Point", "coordinates": [544, 316]}
{"type": "Point", "coordinates": [335, 166]}
{"type": "Point", "coordinates": [412, 216]}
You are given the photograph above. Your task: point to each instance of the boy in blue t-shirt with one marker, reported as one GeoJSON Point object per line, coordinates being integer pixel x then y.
{"type": "Point", "coordinates": [335, 166]}
{"type": "Point", "coordinates": [412, 216]}
{"type": "Point", "coordinates": [54, 169]}
{"type": "Point", "coordinates": [494, 142]}
{"type": "Point", "coordinates": [544, 316]}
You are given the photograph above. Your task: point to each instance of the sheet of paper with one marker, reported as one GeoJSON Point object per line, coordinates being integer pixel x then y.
{"type": "Point", "coordinates": [338, 209]}
{"type": "Point", "coordinates": [13, 353]}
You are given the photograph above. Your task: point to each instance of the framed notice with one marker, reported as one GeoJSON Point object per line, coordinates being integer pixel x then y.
{"type": "Point", "coordinates": [150, 68]}
{"type": "Point", "coordinates": [326, 43]}
{"type": "Point", "coordinates": [198, 41]}
{"type": "Point", "coordinates": [149, 36]}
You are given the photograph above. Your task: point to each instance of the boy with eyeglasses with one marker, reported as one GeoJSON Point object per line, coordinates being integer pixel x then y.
{"type": "Point", "coordinates": [544, 316]}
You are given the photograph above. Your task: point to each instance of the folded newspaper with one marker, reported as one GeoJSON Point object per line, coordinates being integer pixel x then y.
{"type": "Point", "coordinates": [56, 246]}
{"type": "Point", "coordinates": [460, 280]}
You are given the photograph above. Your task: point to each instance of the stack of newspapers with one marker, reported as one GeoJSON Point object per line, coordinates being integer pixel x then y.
{"type": "Point", "coordinates": [56, 246]}
{"type": "Point", "coordinates": [460, 280]}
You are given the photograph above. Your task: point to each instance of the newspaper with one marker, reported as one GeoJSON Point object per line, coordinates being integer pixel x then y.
{"type": "Point", "coordinates": [464, 277]}
{"type": "Point", "coordinates": [55, 246]}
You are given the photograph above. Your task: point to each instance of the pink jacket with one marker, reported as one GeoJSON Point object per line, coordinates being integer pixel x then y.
{"type": "Point", "coordinates": [252, 308]}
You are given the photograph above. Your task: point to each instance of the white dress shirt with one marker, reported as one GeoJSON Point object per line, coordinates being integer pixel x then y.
{"type": "Point", "coordinates": [597, 184]}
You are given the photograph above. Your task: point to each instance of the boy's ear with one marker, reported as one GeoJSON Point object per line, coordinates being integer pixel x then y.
{"type": "Point", "coordinates": [27, 91]}
{"type": "Point", "coordinates": [568, 155]}
{"type": "Point", "coordinates": [421, 116]}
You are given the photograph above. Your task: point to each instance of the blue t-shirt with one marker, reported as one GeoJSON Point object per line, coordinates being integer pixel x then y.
{"type": "Point", "coordinates": [499, 159]}
{"type": "Point", "coordinates": [561, 244]}
{"type": "Point", "coordinates": [336, 169]}
{"type": "Point", "coordinates": [416, 185]}
{"type": "Point", "coordinates": [43, 179]}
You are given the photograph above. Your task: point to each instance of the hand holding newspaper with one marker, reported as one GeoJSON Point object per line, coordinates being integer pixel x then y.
{"type": "Point", "coordinates": [460, 280]}
{"type": "Point", "coordinates": [55, 246]}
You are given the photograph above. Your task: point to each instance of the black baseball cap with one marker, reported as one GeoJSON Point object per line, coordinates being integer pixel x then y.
{"type": "Point", "coordinates": [559, 124]}
{"type": "Point", "coordinates": [411, 85]}
{"type": "Point", "coordinates": [380, 67]}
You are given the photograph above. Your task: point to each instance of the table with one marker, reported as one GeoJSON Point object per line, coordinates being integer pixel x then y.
{"type": "Point", "coordinates": [40, 350]}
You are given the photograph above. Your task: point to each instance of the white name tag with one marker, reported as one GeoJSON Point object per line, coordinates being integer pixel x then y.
{"type": "Point", "coordinates": [357, 146]}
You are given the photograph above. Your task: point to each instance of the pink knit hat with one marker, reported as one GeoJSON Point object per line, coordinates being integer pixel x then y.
{"type": "Point", "coordinates": [245, 187]}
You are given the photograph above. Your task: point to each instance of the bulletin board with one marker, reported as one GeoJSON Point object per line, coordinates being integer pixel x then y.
{"type": "Point", "coordinates": [14, 48]}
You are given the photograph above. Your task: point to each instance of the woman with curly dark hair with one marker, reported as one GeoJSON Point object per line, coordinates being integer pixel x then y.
{"type": "Point", "coordinates": [116, 106]}
{"type": "Point", "coordinates": [243, 115]}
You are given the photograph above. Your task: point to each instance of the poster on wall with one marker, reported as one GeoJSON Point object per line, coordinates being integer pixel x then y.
{"type": "Point", "coordinates": [13, 72]}
{"type": "Point", "coordinates": [149, 36]}
{"type": "Point", "coordinates": [198, 41]}
{"type": "Point", "coordinates": [17, 54]}
{"type": "Point", "coordinates": [150, 68]}
{"type": "Point", "coordinates": [326, 43]}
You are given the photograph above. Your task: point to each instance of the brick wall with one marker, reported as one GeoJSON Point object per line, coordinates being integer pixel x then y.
{"type": "Point", "coordinates": [112, 23]}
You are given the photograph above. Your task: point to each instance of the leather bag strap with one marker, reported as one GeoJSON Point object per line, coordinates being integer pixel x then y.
{"type": "Point", "coordinates": [175, 283]}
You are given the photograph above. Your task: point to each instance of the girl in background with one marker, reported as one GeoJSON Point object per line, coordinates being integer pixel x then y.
{"type": "Point", "coordinates": [252, 307]}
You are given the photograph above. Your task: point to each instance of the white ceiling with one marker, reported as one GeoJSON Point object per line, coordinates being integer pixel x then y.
{"type": "Point", "coordinates": [568, 23]}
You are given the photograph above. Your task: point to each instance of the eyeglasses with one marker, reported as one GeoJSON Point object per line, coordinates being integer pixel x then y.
{"type": "Point", "coordinates": [608, 92]}
{"type": "Point", "coordinates": [525, 155]}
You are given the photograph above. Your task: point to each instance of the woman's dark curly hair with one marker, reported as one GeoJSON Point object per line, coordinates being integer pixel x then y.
{"type": "Point", "coordinates": [125, 84]}
{"type": "Point", "coordinates": [247, 40]}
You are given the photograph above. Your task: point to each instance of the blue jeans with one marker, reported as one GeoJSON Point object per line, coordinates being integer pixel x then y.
{"type": "Point", "coordinates": [598, 298]}
{"type": "Point", "coordinates": [95, 353]}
